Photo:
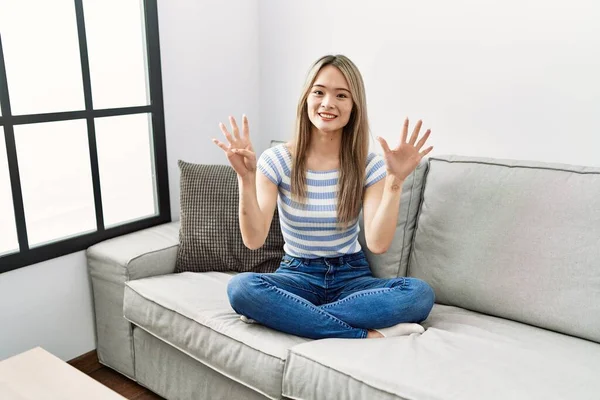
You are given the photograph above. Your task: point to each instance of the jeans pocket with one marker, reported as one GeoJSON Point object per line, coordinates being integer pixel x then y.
{"type": "Point", "coordinates": [290, 263]}
{"type": "Point", "coordinates": [359, 263]}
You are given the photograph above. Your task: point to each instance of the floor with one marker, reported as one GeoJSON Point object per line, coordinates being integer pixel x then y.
{"type": "Point", "coordinates": [89, 365]}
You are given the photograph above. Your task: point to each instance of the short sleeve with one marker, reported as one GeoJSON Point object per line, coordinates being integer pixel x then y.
{"type": "Point", "coordinates": [375, 169]}
{"type": "Point", "coordinates": [269, 165]}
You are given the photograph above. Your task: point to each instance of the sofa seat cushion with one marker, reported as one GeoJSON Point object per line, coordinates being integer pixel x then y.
{"type": "Point", "coordinates": [461, 355]}
{"type": "Point", "coordinates": [191, 312]}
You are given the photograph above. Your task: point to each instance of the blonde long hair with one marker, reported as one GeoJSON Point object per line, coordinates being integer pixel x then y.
{"type": "Point", "coordinates": [354, 147]}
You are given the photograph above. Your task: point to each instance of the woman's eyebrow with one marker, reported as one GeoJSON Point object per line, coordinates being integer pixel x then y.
{"type": "Point", "coordinates": [323, 86]}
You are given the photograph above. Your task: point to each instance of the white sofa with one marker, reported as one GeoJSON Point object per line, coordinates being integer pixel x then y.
{"type": "Point", "coordinates": [511, 248]}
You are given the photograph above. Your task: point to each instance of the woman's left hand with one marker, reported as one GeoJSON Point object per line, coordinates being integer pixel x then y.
{"type": "Point", "coordinates": [404, 159]}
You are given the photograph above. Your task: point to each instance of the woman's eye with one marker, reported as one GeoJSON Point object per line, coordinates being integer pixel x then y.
{"type": "Point", "coordinates": [343, 96]}
{"type": "Point", "coordinates": [318, 92]}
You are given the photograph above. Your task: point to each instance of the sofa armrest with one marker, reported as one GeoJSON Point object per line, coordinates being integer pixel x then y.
{"type": "Point", "coordinates": [111, 264]}
{"type": "Point", "coordinates": [140, 254]}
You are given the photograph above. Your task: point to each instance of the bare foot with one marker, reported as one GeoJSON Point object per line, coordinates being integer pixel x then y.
{"type": "Point", "coordinates": [374, 334]}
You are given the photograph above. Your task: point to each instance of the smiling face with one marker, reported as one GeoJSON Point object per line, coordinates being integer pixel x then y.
{"type": "Point", "coordinates": [329, 103]}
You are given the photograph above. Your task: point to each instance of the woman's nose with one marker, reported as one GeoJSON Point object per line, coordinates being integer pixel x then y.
{"type": "Point", "coordinates": [326, 103]}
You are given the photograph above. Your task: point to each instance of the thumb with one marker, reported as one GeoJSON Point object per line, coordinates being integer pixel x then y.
{"type": "Point", "coordinates": [244, 152]}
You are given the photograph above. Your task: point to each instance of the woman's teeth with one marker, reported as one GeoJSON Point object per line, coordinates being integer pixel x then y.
{"type": "Point", "coordinates": [327, 116]}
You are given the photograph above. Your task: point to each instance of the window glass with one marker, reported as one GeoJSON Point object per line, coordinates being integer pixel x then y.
{"type": "Point", "coordinates": [116, 44]}
{"type": "Point", "coordinates": [56, 180]}
{"type": "Point", "coordinates": [127, 173]}
{"type": "Point", "coordinates": [41, 54]}
{"type": "Point", "coordinates": [8, 230]}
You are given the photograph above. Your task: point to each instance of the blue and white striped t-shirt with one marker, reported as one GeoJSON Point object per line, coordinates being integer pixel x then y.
{"type": "Point", "coordinates": [310, 230]}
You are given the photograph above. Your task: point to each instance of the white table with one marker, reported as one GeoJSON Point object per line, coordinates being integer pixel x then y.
{"type": "Point", "coordinates": [39, 375]}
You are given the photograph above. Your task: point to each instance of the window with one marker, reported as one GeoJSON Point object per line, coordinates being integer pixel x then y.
{"type": "Point", "coordinates": [82, 141]}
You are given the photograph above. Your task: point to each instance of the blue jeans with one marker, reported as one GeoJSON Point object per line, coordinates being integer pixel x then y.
{"type": "Point", "coordinates": [328, 297]}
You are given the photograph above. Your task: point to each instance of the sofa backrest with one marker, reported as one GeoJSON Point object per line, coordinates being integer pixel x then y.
{"type": "Point", "coordinates": [514, 239]}
{"type": "Point", "coordinates": [393, 262]}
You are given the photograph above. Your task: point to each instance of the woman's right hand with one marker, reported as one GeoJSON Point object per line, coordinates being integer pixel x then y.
{"type": "Point", "coordinates": [240, 153]}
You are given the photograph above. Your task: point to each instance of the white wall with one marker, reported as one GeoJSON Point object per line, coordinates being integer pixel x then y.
{"type": "Point", "coordinates": [48, 304]}
{"type": "Point", "coordinates": [506, 79]}
{"type": "Point", "coordinates": [210, 64]}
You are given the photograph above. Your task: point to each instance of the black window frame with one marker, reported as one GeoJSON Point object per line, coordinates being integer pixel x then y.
{"type": "Point", "coordinates": [27, 256]}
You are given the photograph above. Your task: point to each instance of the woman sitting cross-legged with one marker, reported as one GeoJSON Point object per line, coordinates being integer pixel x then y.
{"type": "Point", "coordinates": [320, 181]}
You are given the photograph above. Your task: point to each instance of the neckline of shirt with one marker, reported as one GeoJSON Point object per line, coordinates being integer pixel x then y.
{"type": "Point", "coordinates": [329, 171]}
